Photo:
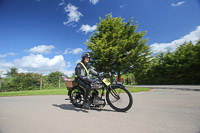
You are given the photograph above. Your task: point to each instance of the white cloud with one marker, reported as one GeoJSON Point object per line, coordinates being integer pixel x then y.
{"type": "Point", "coordinates": [39, 63]}
{"type": "Point", "coordinates": [62, 3]}
{"type": "Point", "coordinates": [41, 49]}
{"type": "Point", "coordinates": [69, 64]}
{"type": "Point", "coordinates": [73, 14]}
{"type": "Point", "coordinates": [94, 2]}
{"type": "Point", "coordinates": [77, 61]}
{"type": "Point", "coordinates": [69, 72]}
{"type": "Point", "coordinates": [88, 28]}
{"type": "Point", "coordinates": [73, 51]}
{"type": "Point", "coordinates": [77, 51]}
{"type": "Point", "coordinates": [193, 36]}
{"type": "Point", "coordinates": [67, 51]}
{"type": "Point", "coordinates": [123, 5]}
{"type": "Point", "coordinates": [8, 54]}
{"type": "Point", "coordinates": [178, 4]}
{"type": "Point", "coordinates": [4, 68]}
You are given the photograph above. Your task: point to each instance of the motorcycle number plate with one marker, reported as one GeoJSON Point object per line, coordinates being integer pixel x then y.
{"type": "Point", "coordinates": [106, 82]}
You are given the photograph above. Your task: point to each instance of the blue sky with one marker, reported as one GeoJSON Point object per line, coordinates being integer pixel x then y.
{"type": "Point", "coordinates": [48, 35]}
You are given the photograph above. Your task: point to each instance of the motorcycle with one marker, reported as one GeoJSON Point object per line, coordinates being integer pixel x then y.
{"type": "Point", "coordinates": [117, 96]}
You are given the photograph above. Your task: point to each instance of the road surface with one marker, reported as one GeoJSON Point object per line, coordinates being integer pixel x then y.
{"type": "Point", "coordinates": [156, 111]}
{"type": "Point", "coordinates": [177, 87]}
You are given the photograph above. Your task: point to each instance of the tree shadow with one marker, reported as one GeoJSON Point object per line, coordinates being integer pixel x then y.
{"type": "Point", "coordinates": [71, 107]}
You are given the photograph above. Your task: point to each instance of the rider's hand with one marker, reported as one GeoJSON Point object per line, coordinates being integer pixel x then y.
{"type": "Point", "coordinates": [106, 74]}
{"type": "Point", "coordinates": [100, 74]}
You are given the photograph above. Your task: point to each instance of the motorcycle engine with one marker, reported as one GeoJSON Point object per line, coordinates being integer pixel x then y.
{"type": "Point", "coordinates": [97, 101]}
{"type": "Point", "coordinates": [96, 86]}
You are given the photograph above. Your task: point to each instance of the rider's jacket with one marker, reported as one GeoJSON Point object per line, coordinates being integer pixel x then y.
{"type": "Point", "coordinates": [82, 72]}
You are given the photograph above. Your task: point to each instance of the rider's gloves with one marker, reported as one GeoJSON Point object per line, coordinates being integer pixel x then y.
{"type": "Point", "coordinates": [100, 74]}
{"type": "Point", "coordinates": [106, 75]}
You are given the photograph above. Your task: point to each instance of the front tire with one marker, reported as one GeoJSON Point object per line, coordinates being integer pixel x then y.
{"type": "Point", "coordinates": [119, 98]}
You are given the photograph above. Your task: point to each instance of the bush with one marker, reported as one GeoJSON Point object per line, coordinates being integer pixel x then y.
{"type": "Point", "coordinates": [21, 81]}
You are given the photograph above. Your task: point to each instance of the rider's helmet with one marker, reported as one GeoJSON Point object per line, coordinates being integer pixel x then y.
{"type": "Point", "coordinates": [86, 54]}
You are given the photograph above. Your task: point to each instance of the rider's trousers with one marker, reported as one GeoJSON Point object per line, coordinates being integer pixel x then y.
{"type": "Point", "coordinates": [86, 87]}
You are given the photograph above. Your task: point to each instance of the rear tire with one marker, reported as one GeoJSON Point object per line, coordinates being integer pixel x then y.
{"type": "Point", "coordinates": [77, 96]}
{"type": "Point", "coordinates": [116, 98]}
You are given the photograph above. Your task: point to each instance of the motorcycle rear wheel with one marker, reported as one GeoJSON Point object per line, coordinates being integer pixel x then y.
{"type": "Point", "coordinates": [77, 96]}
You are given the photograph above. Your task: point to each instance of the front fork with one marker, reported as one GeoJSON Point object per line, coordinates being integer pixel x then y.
{"type": "Point", "coordinates": [113, 92]}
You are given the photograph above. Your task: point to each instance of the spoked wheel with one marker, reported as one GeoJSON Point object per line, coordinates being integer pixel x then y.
{"type": "Point", "coordinates": [77, 96]}
{"type": "Point", "coordinates": [120, 99]}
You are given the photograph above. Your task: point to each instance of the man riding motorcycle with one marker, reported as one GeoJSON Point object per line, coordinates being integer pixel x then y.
{"type": "Point", "coordinates": [82, 71]}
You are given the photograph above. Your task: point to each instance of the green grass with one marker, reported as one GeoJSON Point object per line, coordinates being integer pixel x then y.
{"type": "Point", "coordinates": [35, 92]}
{"type": "Point", "coordinates": [137, 89]}
{"type": "Point", "coordinates": [54, 92]}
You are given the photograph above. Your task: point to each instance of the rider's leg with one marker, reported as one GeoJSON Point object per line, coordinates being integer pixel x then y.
{"type": "Point", "coordinates": [87, 92]}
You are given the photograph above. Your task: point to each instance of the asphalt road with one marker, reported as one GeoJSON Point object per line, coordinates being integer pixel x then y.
{"type": "Point", "coordinates": [156, 111]}
{"type": "Point", "coordinates": [177, 87]}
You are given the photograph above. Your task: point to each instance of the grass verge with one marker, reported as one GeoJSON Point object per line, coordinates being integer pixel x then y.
{"type": "Point", "coordinates": [55, 92]}
{"type": "Point", "coordinates": [137, 89]}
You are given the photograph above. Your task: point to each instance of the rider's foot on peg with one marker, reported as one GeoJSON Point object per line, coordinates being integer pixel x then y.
{"type": "Point", "coordinates": [86, 105]}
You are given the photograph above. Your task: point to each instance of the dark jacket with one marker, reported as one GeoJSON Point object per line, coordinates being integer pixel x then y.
{"type": "Point", "coordinates": [81, 73]}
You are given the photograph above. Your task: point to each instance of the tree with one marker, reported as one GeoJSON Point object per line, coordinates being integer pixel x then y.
{"type": "Point", "coordinates": [13, 71]}
{"type": "Point", "coordinates": [178, 67]}
{"type": "Point", "coordinates": [116, 46]}
{"type": "Point", "coordinates": [53, 78]}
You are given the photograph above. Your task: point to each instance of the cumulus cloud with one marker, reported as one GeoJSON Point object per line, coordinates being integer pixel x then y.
{"type": "Point", "coordinates": [77, 61]}
{"type": "Point", "coordinates": [73, 51]}
{"type": "Point", "coordinates": [193, 36]}
{"type": "Point", "coordinates": [4, 67]}
{"type": "Point", "coordinates": [69, 72]}
{"type": "Point", "coordinates": [62, 3]}
{"type": "Point", "coordinates": [178, 4]}
{"type": "Point", "coordinates": [123, 5]}
{"type": "Point", "coordinates": [8, 54]}
{"type": "Point", "coordinates": [77, 51]}
{"type": "Point", "coordinates": [88, 28]}
{"type": "Point", "coordinates": [69, 64]}
{"type": "Point", "coordinates": [38, 64]}
{"type": "Point", "coordinates": [94, 2]}
{"type": "Point", "coordinates": [73, 14]}
{"type": "Point", "coordinates": [41, 64]}
{"type": "Point", "coordinates": [41, 49]}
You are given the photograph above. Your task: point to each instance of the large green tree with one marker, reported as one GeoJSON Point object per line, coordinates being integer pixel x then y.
{"type": "Point", "coordinates": [117, 47]}
{"type": "Point", "coordinates": [178, 67]}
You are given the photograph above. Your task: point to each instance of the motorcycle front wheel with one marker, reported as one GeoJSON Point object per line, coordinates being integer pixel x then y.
{"type": "Point", "coordinates": [119, 98]}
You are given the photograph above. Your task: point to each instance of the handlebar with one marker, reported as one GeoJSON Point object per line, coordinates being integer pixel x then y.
{"type": "Point", "coordinates": [104, 75]}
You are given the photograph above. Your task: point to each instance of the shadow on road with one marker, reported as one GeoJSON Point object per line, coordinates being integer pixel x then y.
{"type": "Point", "coordinates": [71, 107]}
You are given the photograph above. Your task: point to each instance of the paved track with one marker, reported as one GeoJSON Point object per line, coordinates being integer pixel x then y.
{"type": "Point", "coordinates": [177, 87]}
{"type": "Point", "coordinates": [156, 111]}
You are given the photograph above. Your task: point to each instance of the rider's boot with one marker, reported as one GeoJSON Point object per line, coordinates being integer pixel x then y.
{"type": "Point", "coordinates": [86, 103]}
